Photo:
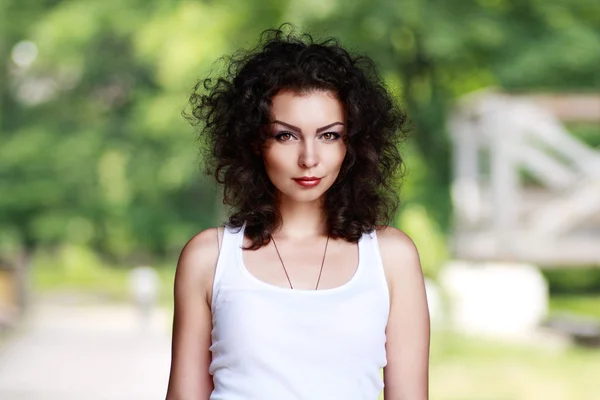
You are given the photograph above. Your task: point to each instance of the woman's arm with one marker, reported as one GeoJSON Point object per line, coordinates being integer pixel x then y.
{"type": "Point", "coordinates": [192, 322]}
{"type": "Point", "coordinates": [407, 346]}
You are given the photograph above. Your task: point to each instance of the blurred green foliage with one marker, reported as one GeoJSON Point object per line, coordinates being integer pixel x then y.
{"type": "Point", "coordinates": [94, 153]}
{"type": "Point", "coordinates": [589, 133]}
{"type": "Point", "coordinates": [427, 236]}
{"type": "Point", "coordinates": [573, 280]}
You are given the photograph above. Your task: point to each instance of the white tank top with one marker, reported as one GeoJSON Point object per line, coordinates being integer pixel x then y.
{"type": "Point", "coordinates": [276, 343]}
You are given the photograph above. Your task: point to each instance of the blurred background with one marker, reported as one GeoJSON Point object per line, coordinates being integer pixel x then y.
{"type": "Point", "coordinates": [101, 185]}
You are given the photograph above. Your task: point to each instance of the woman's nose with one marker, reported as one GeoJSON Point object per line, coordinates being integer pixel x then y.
{"type": "Point", "coordinates": [308, 156]}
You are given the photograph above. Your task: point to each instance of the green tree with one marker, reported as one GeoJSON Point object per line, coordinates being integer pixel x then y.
{"type": "Point", "coordinates": [93, 148]}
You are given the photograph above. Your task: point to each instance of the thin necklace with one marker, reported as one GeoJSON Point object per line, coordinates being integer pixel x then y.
{"type": "Point", "coordinates": [285, 270]}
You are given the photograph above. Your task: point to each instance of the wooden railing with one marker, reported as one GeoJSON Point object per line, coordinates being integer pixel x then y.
{"type": "Point", "coordinates": [550, 218]}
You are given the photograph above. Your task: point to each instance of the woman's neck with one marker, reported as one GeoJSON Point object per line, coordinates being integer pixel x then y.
{"type": "Point", "coordinates": [301, 220]}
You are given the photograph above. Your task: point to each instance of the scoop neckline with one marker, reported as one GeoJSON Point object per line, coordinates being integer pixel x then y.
{"type": "Point", "coordinates": [310, 292]}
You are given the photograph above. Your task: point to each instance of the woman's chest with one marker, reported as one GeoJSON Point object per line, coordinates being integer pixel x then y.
{"type": "Point", "coordinates": [247, 320]}
{"type": "Point", "coordinates": [331, 264]}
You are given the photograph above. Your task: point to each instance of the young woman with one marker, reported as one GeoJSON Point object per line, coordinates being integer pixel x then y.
{"type": "Point", "coordinates": [304, 293]}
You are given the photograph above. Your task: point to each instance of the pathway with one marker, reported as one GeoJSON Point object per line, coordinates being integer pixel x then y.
{"type": "Point", "coordinates": [87, 353]}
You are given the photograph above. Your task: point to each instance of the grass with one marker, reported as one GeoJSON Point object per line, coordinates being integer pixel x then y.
{"type": "Point", "coordinates": [469, 368]}
{"type": "Point", "coordinates": [584, 305]}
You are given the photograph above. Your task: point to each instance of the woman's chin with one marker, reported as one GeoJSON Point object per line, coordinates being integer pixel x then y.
{"type": "Point", "coordinates": [303, 196]}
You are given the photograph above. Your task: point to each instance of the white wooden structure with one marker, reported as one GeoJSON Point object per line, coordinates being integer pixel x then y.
{"type": "Point", "coordinates": [551, 218]}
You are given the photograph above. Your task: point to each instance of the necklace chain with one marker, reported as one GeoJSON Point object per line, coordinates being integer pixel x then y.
{"type": "Point", "coordinates": [285, 270]}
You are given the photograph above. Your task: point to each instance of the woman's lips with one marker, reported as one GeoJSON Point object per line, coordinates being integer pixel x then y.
{"type": "Point", "coordinates": [307, 182]}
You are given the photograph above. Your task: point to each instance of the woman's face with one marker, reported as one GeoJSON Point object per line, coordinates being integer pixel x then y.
{"type": "Point", "coordinates": [305, 149]}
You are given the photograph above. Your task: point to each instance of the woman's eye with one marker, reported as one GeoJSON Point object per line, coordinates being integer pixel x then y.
{"type": "Point", "coordinates": [330, 135]}
{"type": "Point", "coordinates": [284, 136]}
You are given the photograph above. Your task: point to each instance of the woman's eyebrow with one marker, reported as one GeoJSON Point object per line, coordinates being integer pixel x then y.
{"type": "Point", "coordinates": [295, 128]}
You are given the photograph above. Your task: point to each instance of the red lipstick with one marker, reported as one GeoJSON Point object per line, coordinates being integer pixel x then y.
{"type": "Point", "coordinates": [308, 181]}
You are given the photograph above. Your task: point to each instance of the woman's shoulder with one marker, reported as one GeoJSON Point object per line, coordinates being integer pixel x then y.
{"type": "Point", "coordinates": [198, 257]}
{"type": "Point", "coordinates": [390, 236]}
{"type": "Point", "coordinates": [398, 251]}
{"type": "Point", "coordinates": [203, 242]}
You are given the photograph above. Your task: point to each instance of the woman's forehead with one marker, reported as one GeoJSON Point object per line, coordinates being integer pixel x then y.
{"type": "Point", "coordinates": [309, 109]}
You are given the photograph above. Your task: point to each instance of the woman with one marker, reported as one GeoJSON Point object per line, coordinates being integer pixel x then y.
{"type": "Point", "coordinates": [305, 293]}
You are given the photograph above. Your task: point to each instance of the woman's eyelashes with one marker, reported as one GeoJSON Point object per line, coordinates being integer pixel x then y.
{"type": "Point", "coordinates": [286, 136]}
{"type": "Point", "coordinates": [330, 136]}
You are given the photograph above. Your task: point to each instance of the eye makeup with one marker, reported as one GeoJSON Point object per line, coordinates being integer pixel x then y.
{"type": "Point", "coordinates": [285, 136]}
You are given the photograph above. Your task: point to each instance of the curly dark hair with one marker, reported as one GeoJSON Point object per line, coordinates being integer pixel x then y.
{"type": "Point", "coordinates": [233, 110]}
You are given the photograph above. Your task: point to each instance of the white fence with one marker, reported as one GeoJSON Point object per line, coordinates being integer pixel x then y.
{"type": "Point", "coordinates": [524, 188]}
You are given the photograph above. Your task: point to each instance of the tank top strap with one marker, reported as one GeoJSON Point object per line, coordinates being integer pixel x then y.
{"type": "Point", "coordinates": [374, 274]}
{"type": "Point", "coordinates": [226, 258]}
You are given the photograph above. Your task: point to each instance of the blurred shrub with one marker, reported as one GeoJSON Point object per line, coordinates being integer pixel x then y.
{"type": "Point", "coordinates": [589, 133]}
{"type": "Point", "coordinates": [573, 280]}
{"type": "Point", "coordinates": [78, 268]}
{"type": "Point", "coordinates": [415, 221]}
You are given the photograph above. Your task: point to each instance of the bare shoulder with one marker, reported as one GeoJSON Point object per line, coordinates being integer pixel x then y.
{"type": "Point", "coordinates": [396, 244]}
{"type": "Point", "coordinates": [202, 245]}
{"type": "Point", "coordinates": [197, 261]}
{"type": "Point", "coordinates": [399, 255]}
